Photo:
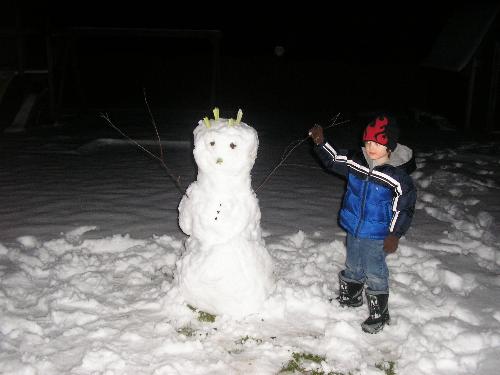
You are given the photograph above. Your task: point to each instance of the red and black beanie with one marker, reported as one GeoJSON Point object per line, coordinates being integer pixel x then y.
{"type": "Point", "coordinates": [384, 130]}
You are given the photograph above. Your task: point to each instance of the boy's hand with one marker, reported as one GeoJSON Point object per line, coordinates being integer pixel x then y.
{"type": "Point", "coordinates": [391, 243]}
{"type": "Point", "coordinates": [316, 133]}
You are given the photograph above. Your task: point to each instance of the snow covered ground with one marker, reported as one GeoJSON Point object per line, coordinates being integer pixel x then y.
{"type": "Point", "coordinates": [89, 240]}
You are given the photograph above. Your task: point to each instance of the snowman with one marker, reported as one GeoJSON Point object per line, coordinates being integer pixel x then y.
{"type": "Point", "coordinates": [225, 268]}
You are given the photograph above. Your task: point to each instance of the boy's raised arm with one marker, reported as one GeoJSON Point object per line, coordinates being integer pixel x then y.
{"type": "Point", "coordinates": [331, 159]}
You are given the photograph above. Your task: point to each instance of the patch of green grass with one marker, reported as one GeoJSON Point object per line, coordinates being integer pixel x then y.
{"type": "Point", "coordinates": [246, 338]}
{"type": "Point", "coordinates": [296, 365]}
{"type": "Point", "coordinates": [187, 331]}
{"type": "Point", "coordinates": [206, 317]}
{"type": "Point", "coordinates": [292, 366]}
{"type": "Point", "coordinates": [241, 341]}
{"type": "Point", "coordinates": [202, 315]}
{"type": "Point", "coordinates": [308, 357]}
{"type": "Point", "coordinates": [387, 366]}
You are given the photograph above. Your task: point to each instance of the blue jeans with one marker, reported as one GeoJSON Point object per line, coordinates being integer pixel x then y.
{"type": "Point", "coordinates": [365, 263]}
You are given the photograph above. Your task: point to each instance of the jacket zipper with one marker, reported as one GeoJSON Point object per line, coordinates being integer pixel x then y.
{"type": "Point", "coordinates": [363, 201]}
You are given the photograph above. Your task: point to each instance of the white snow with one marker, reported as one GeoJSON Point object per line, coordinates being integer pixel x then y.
{"type": "Point", "coordinates": [90, 242]}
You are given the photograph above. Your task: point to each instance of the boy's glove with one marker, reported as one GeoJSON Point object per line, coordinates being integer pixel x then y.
{"type": "Point", "coordinates": [316, 133]}
{"type": "Point", "coordinates": [391, 243]}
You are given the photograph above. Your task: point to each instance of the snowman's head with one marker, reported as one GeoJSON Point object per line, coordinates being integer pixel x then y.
{"type": "Point", "coordinates": [224, 147]}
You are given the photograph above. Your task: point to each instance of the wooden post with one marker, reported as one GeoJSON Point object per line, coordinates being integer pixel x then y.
{"type": "Point", "coordinates": [20, 47]}
{"type": "Point", "coordinates": [63, 74]}
{"type": "Point", "coordinates": [77, 74]}
{"type": "Point", "coordinates": [20, 55]}
{"type": "Point", "coordinates": [470, 93]}
{"type": "Point", "coordinates": [51, 78]}
{"type": "Point", "coordinates": [493, 94]}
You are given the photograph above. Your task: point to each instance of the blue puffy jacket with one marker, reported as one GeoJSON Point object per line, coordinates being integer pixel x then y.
{"type": "Point", "coordinates": [378, 200]}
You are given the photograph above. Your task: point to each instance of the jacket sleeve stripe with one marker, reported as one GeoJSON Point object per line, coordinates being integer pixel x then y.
{"type": "Point", "coordinates": [391, 181]}
{"type": "Point", "coordinates": [357, 166]}
{"type": "Point", "coordinates": [393, 222]}
{"type": "Point", "coordinates": [331, 160]}
{"type": "Point", "coordinates": [398, 192]}
{"type": "Point", "coordinates": [333, 153]}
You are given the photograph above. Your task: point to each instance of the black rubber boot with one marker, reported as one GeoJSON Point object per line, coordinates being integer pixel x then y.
{"type": "Point", "coordinates": [379, 313]}
{"type": "Point", "coordinates": [350, 294]}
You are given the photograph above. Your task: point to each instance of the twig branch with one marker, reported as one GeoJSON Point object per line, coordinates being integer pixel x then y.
{"type": "Point", "coordinates": [335, 123]}
{"type": "Point", "coordinates": [153, 122]}
{"type": "Point", "coordinates": [105, 116]}
{"type": "Point", "coordinates": [176, 180]}
{"type": "Point", "coordinates": [288, 150]}
{"type": "Point", "coordinates": [301, 166]}
{"type": "Point", "coordinates": [283, 158]}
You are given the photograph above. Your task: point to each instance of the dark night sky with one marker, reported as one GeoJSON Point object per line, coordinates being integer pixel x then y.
{"type": "Point", "coordinates": [361, 32]}
{"type": "Point", "coordinates": [336, 52]}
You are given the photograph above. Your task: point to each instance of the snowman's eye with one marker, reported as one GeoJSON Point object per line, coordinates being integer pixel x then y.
{"type": "Point", "coordinates": [232, 145]}
{"type": "Point", "coordinates": [212, 143]}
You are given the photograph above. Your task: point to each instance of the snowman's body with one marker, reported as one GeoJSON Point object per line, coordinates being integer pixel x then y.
{"type": "Point", "coordinates": [226, 268]}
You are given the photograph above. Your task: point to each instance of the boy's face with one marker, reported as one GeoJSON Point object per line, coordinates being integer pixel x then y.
{"type": "Point", "coordinates": [376, 151]}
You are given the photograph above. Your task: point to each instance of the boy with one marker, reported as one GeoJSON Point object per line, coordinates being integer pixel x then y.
{"type": "Point", "coordinates": [377, 210]}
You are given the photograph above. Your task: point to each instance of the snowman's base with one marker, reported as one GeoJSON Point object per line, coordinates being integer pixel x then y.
{"type": "Point", "coordinates": [229, 279]}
